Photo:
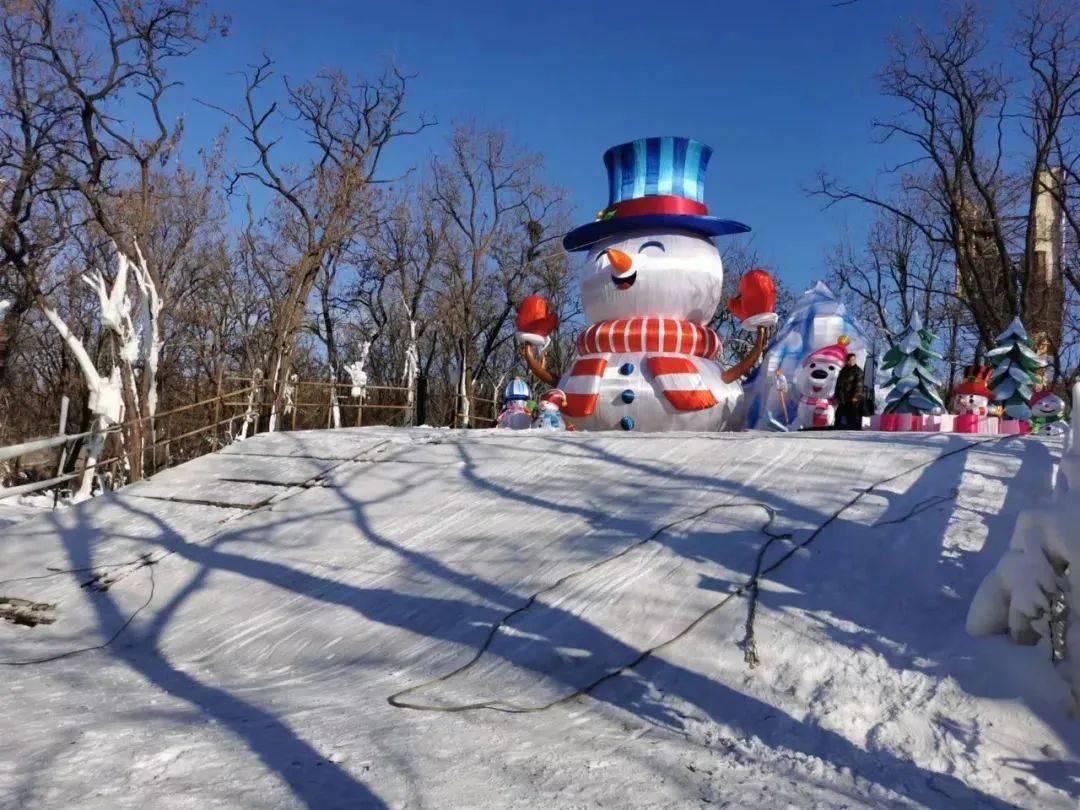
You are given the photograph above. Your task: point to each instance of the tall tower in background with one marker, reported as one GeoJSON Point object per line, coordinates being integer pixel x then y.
{"type": "Point", "coordinates": [1046, 292]}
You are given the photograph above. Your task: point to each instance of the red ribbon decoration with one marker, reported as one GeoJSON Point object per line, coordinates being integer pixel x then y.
{"type": "Point", "coordinates": [643, 206]}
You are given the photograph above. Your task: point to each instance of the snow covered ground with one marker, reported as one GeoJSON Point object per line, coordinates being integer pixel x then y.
{"type": "Point", "coordinates": [431, 618]}
{"type": "Point", "coordinates": [16, 510]}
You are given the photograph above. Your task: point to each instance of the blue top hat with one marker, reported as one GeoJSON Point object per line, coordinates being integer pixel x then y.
{"type": "Point", "coordinates": [516, 389]}
{"type": "Point", "coordinates": [654, 182]}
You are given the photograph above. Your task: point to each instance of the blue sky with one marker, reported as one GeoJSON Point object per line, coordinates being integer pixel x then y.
{"type": "Point", "coordinates": [779, 89]}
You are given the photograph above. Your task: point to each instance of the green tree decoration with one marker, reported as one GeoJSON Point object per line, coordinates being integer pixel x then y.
{"type": "Point", "coordinates": [1015, 363]}
{"type": "Point", "coordinates": [912, 385]}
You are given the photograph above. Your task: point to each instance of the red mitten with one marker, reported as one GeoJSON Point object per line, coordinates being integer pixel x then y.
{"type": "Point", "coordinates": [534, 321]}
{"type": "Point", "coordinates": [755, 305]}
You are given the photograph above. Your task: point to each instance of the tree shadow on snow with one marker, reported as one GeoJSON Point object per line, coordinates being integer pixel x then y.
{"type": "Point", "coordinates": [917, 623]}
{"type": "Point", "coordinates": [312, 779]}
{"type": "Point", "coordinates": [477, 603]}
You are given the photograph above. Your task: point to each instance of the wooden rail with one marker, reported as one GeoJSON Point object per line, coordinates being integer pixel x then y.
{"type": "Point", "coordinates": [222, 401]}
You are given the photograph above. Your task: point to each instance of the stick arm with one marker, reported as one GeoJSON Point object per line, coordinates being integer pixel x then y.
{"type": "Point", "coordinates": [536, 365]}
{"type": "Point", "coordinates": [743, 366]}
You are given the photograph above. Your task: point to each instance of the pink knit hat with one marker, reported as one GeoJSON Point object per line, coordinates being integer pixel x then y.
{"type": "Point", "coordinates": [837, 353]}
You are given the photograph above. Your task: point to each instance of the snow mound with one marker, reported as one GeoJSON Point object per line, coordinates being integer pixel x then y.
{"type": "Point", "coordinates": [370, 617]}
{"type": "Point", "coordinates": [1034, 589]}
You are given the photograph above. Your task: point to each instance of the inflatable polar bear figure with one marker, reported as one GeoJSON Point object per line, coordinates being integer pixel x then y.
{"type": "Point", "coordinates": [815, 384]}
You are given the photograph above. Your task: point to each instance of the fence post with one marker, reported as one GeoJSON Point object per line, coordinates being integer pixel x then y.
{"type": "Point", "coordinates": [217, 402]}
{"type": "Point", "coordinates": [330, 410]}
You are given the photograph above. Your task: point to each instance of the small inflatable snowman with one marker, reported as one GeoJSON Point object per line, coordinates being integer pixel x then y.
{"type": "Point", "coordinates": [1048, 414]}
{"type": "Point", "coordinates": [972, 395]}
{"type": "Point", "coordinates": [515, 411]}
{"type": "Point", "coordinates": [550, 406]}
{"type": "Point", "coordinates": [651, 282]}
{"type": "Point", "coordinates": [815, 384]}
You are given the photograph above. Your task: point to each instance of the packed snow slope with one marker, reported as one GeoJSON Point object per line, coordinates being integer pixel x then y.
{"type": "Point", "coordinates": [430, 618]}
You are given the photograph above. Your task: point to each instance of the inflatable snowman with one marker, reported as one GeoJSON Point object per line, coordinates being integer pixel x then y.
{"type": "Point", "coordinates": [972, 396]}
{"type": "Point", "coordinates": [651, 282]}
{"type": "Point", "coordinates": [549, 416]}
{"type": "Point", "coordinates": [515, 413]}
{"type": "Point", "coordinates": [815, 383]}
{"type": "Point", "coordinates": [1048, 414]}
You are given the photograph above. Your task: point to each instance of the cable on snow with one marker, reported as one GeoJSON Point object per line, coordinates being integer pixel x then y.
{"type": "Point", "coordinates": [750, 588]}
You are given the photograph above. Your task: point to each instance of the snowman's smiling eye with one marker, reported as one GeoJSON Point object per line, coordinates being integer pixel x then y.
{"type": "Point", "coordinates": [652, 244]}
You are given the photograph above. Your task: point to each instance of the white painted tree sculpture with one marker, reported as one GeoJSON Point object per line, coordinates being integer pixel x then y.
{"type": "Point", "coordinates": [136, 347]}
{"type": "Point", "coordinates": [105, 400]}
{"type": "Point", "coordinates": [358, 374]}
{"type": "Point", "coordinates": [410, 372]}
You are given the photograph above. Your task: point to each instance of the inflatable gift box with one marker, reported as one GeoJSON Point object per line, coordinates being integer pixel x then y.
{"type": "Point", "coordinates": [967, 423]}
{"type": "Point", "coordinates": [1014, 427]}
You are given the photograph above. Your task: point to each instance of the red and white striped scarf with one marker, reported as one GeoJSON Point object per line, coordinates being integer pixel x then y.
{"type": "Point", "coordinates": [677, 376]}
{"type": "Point", "coordinates": [645, 334]}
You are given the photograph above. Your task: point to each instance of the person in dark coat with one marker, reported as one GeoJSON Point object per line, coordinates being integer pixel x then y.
{"type": "Point", "coordinates": [849, 394]}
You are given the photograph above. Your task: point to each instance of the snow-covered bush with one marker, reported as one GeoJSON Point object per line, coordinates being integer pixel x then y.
{"type": "Point", "coordinates": [1034, 590]}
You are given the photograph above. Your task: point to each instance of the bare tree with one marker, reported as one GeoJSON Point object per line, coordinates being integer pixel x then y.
{"type": "Point", "coordinates": [320, 202]}
{"type": "Point", "coordinates": [67, 85]}
{"type": "Point", "coordinates": [35, 128]}
{"type": "Point", "coordinates": [498, 214]}
{"type": "Point", "coordinates": [978, 200]}
{"type": "Point", "coordinates": [406, 252]}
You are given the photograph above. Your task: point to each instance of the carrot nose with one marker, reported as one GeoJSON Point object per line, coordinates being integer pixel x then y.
{"type": "Point", "coordinates": [619, 260]}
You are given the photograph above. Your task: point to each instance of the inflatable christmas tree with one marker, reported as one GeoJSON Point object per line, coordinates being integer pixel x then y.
{"type": "Point", "coordinates": [912, 385]}
{"type": "Point", "coordinates": [1015, 364]}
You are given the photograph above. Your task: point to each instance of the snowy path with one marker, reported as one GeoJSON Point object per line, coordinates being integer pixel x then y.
{"type": "Point", "coordinates": [256, 611]}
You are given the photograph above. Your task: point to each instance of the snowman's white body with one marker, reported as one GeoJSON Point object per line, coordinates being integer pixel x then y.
{"type": "Point", "coordinates": [675, 274]}
{"type": "Point", "coordinates": [649, 409]}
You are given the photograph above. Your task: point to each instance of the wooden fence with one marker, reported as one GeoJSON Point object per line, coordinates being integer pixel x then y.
{"type": "Point", "coordinates": [312, 404]}
{"type": "Point", "coordinates": [179, 434]}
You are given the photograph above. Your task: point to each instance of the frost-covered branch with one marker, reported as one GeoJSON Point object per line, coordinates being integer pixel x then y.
{"type": "Point", "coordinates": [149, 327]}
